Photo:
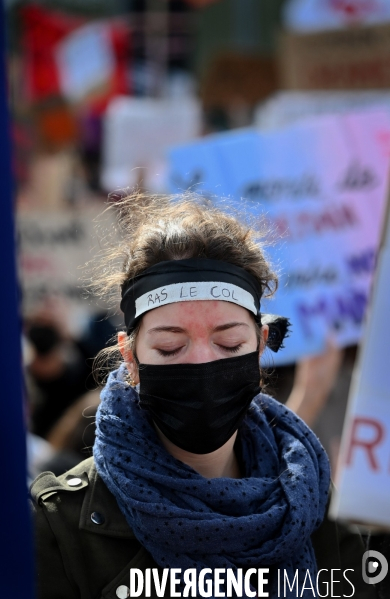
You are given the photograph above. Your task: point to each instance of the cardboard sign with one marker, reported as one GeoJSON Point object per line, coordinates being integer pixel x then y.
{"type": "Point", "coordinates": [320, 185]}
{"type": "Point", "coordinates": [53, 247]}
{"type": "Point", "coordinates": [355, 58]}
{"type": "Point", "coordinates": [363, 478]}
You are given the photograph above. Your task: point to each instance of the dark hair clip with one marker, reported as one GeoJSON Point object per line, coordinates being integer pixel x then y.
{"type": "Point", "coordinates": [279, 330]}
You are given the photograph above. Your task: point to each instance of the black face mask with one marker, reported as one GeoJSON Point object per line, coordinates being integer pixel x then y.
{"type": "Point", "coordinates": [198, 407]}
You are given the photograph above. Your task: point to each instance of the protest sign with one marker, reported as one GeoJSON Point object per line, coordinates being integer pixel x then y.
{"type": "Point", "coordinates": [320, 185]}
{"type": "Point", "coordinates": [353, 58]}
{"type": "Point", "coordinates": [53, 246]}
{"type": "Point", "coordinates": [363, 472]}
{"type": "Point", "coordinates": [137, 133]}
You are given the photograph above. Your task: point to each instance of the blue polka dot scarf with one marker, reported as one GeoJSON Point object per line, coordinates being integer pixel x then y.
{"type": "Point", "coordinates": [187, 521]}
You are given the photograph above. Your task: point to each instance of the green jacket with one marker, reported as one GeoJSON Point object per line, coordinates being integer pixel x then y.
{"type": "Point", "coordinates": [85, 548]}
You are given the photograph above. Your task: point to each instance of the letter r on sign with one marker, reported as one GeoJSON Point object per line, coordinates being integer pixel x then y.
{"type": "Point", "coordinates": [366, 434]}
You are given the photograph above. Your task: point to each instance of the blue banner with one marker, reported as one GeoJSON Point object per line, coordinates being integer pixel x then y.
{"type": "Point", "coordinates": [317, 188]}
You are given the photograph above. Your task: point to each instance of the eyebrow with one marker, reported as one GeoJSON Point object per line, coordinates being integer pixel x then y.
{"type": "Point", "coordinates": [171, 329]}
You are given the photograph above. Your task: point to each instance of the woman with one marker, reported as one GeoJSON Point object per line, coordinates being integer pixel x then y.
{"type": "Point", "coordinates": [193, 466]}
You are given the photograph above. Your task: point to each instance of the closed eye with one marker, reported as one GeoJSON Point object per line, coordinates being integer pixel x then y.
{"type": "Point", "coordinates": [166, 353]}
{"type": "Point", "coordinates": [233, 349]}
{"type": "Point", "coordinates": [169, 353]}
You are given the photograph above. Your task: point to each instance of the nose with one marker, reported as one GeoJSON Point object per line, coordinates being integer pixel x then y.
{"type": "Point", "coordinates": [200, 352]}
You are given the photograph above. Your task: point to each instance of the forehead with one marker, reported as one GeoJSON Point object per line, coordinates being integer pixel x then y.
{"type": "Point", "coordinates": [196, 314]}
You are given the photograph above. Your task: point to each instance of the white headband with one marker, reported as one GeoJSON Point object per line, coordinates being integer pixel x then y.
{"type": "Point", "coordinates": [188, 292]}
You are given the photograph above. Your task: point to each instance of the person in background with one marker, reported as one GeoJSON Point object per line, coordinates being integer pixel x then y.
{"type": "Point", "coordinates": [72, 436]}
{"type": "Point", "coordinates": [57, 373]}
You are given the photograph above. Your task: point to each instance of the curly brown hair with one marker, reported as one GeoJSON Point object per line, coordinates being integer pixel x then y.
{"type": "Point", "coordinates": [158, 228]}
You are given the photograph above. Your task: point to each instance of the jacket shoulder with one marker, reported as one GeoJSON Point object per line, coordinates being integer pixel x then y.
{"type": "Point", "coordinates": [76, 479]}
{"type": "Point", "coordinates": [83, 542]}
{"type": "Point", "coordinates": [56, 522]}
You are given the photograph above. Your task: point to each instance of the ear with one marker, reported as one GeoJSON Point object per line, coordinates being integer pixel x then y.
{"type": "Point", "coordinates": [264, 337]}
{"type": "Point", "coordinates": [128, 356]}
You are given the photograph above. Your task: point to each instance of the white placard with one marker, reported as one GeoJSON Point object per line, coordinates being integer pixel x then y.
{"type": "Point", "coordinates": [137, 134]}
{"type": "Point", "coordinates": [287, 107]}
{"type": "Point", "coordinates": [363, 476]}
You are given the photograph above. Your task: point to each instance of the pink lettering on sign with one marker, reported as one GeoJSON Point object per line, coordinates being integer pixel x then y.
{"type": "Point", "coordinates": [366, 435]}
{"type": "Point", "coordinates": [303, 224]}
{"type": "Point", "coordinates": [383, 138]}
{"type": "Point", "coordinates": [329, 220]}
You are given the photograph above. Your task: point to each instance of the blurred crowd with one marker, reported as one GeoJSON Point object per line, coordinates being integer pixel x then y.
{"type": "Point", "coordinates": [61, 392]}
{"type": "Point", "coordinates": [98, 91]}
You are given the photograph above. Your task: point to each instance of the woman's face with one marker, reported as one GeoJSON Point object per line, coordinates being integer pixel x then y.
{"type": "Point", "coordinates": [192, 333]}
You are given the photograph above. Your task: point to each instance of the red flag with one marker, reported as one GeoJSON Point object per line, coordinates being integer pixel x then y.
{"type": "Point", "coordinates": [44, 30]}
